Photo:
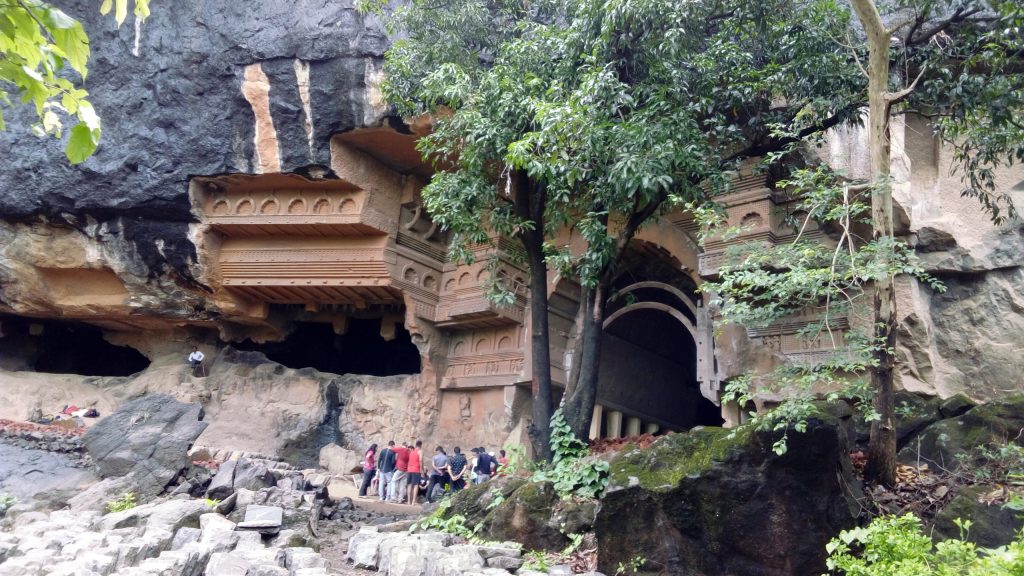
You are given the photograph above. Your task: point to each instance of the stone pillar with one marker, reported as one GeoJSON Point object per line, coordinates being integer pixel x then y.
{"type": "Point", "coordinates": [632, 426]}
{"type": "Point", "coordinates": [614, 424]}
{"type": "Point", "coordinates": [652, 428]}
{"type": "Point", "coordinates": [731, 415]}
{"type": "Point", "coordinates": [595, 422]}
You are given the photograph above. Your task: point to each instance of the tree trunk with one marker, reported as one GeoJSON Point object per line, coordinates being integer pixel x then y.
{"type": "Point", "coordinates": [540, 346]}
{"type": "Point", "coordinates": [578, 407]}
{"type": "Point", "coordinates": [881, 465]}
{"type": "Point", "coordinates": [530, 200]}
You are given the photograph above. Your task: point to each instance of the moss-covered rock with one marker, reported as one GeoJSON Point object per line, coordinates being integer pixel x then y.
{"type": "Point", "coordinates": [940, 443]}
{"type": "Point", "coordinates": [476, 502]}
{"type": "Point", "coordinates": [991, 525]}
{"type": "Point", "coordinates": [531, 513]}
{"type": "Point", "coordinates": [672, 458]}
{"type": "Point", "coordinates": [525, 517]}
{"type": "Point", "coordinates": [712, 502]}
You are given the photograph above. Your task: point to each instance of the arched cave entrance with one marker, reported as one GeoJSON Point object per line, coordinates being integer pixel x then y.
{"type": "Point", "coordinates": [64, 348]}
{"type": "Point", "coordinates": [648, 373]}
{"type": "Point", "coordinates": [360, 350]}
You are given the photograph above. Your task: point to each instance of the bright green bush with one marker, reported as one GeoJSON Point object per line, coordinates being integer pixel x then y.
{"type": "Point", "coordinates": [897, 546]}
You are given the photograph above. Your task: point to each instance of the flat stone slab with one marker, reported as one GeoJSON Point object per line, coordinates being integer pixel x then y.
{"type": "Point", "coordinates": [262, 518]}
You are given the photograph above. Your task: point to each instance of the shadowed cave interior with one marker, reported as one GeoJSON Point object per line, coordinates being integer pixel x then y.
{"type": "Point", "coordinates": [360, 350]}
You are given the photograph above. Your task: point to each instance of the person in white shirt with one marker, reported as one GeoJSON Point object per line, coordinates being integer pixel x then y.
{"type": "Point", "coordinates": [195, 358]}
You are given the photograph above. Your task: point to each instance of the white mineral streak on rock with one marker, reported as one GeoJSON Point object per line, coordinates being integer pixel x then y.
{"type": "Point", "coordinates": [302, 81]}
{"type": "Point", "coordinates": [138, 37]}
{"type": "Point", "coordinates": [375, 107]}
{"type": "Point", "coordinates": [256, 89]}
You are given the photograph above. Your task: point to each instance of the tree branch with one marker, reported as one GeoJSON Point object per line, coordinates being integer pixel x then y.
{"type": "Point", "coordinates": [894, 97]}
{"type": "Point", "coordinates": [959, 16]}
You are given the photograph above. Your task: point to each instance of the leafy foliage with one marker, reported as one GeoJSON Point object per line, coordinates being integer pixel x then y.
{"type": "Point", "coordinates": [570, 471]}
{"type": "Point", "coordinates": [896, 546]}
{"type": "Point", "coordinates": [437, 522]}
{"type": "Point", "coordinates": [41, 49]}
{"type": "Point", "coordinates": [125, 502]}
{"type": "Point", "coordinates": [763, 284]}
{"type": "Point", "coordinates": [6, 501]}
{"type": "Point", "coordinates": [801, 388]}
{"type": "Point", "coordinates": [632, 566]}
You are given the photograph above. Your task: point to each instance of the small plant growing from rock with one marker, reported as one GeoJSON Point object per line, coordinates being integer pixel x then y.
{"type": "Point", "coordinates": [125, 502]}
{"type": "Point", "coordinates": [211, 502]}
{"type": "Point", "coordinates": [6, 501]}
{"type": "Point", "coordinates": [536, 560]}
{"type": "Point", "coordinates": [496, 498]}
{"type": "Point", "coordinates": [630, 567]}
{"type": "Point", "coordinates": [570, 471]}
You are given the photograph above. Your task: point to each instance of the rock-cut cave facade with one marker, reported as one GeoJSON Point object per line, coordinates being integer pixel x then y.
{"type": "Point", "coordinates": [253, 190]}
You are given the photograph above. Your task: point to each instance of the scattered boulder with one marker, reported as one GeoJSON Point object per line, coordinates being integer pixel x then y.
{"type": "Point", "coordinates": [939, 444]}
{"type": "Point", "coordinates": [252, 475]}
{"type": "Point", "coordinates": [338, 460]}
{"type": "Point", "coordinates": [146, 441]}
{"type": "Point", "coordinates": [263, 519]}
{"type": "Point", "coordinates": [222, 484]}
{"type": "Point", "coordinates": [991, 524]}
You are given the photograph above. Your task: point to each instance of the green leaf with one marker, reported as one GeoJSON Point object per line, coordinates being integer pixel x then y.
{"type": "Point", "coordinates": [81, 143]}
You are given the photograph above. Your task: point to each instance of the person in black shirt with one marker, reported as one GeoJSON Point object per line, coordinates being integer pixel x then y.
{"type": "Point", "coordinates": [385, 469]}
{"type": "Point", "coordinates": [484, 466]}
{"type": "Point", "coordinates": [457, 468]}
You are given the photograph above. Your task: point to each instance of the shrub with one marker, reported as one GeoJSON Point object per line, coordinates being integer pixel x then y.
{"type": "Point", "coordinates": [896, 546]}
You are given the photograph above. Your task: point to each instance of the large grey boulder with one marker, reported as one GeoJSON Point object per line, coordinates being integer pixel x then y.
{"type": "Point", "coordinates": [145, 440]}
{"type": "Point", "coordinates": [717, 502]}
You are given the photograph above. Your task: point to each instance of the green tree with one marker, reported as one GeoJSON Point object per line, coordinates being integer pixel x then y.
{"type": "Point", "coordinates": [600, 116]}
{"type": "Point", "coordinates": [41, 49]}
{"type": "Point", "coordinates": [958, 63]}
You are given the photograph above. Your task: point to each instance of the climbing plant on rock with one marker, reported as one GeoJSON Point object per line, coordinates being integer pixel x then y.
{"type": "Point", "coordinates": [41, 50]}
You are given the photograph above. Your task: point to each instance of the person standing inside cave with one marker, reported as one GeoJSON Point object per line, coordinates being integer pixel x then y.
{"type": "Point", "coordinates": [414, 472]}
{"type": "Point", "coordinates": [385, 470]}
{"type": "Point", "coordinates": [438, 472]}
{"type": "Point", "coordinates": [457, 467]}
{"type": "Point", "coordinates": [195, 359]}
{"type": "Point", "coordinates": [399, 479]}
{"type": "Point", "coordinates": [369, 469]}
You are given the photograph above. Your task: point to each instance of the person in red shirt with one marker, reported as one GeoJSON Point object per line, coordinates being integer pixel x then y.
{"type": "Point", "coordinates": [398, 481]}
{"type": "Point", "coordinates": [415, 468]}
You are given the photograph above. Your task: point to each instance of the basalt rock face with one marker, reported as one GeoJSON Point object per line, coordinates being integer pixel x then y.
{"type": "Point", "coordinates": [147, 440]}
{"type": "Point", "coordinates": [181, 94]}
{"type": "Point", "coordinates": [705, 503]}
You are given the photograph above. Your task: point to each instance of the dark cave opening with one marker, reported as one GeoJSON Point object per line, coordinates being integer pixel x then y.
{"type": "Point", "coordinates": [64, 348]}
{"type": "Point", "coordinates": [360, 350]}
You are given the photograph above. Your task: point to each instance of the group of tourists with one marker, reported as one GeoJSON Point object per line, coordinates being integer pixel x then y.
{"type": "Point", "coordinates": [398, 473]}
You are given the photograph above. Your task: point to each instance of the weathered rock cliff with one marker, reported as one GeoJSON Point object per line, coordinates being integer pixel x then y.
{"type": "Point", "coordinates": [198, 89]}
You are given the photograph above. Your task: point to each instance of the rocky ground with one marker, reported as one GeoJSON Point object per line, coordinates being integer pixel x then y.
{"type": "Point", "coordinates": [124, 498]}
